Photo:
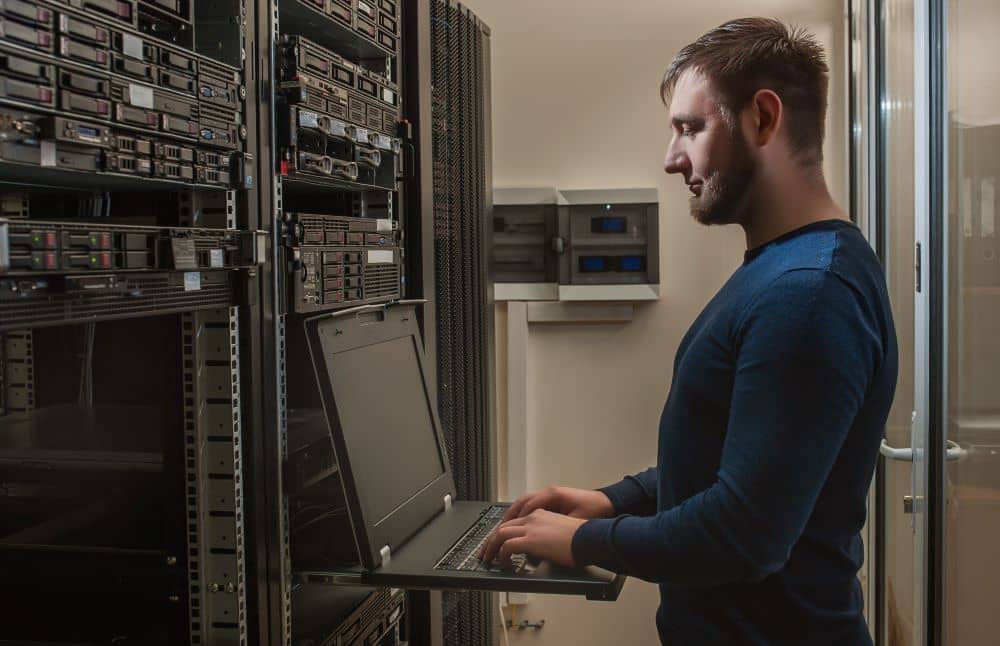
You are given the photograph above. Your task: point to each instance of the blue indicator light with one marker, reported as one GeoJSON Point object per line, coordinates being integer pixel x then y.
{"type": "Point", "coordinates": [592, 264]}
{"type": "Point", "coordinates": [608, 225]}
{"type": "Point", "coordinates": [614, 225]}
{"type": "Point", "coordinates": [631, 263]}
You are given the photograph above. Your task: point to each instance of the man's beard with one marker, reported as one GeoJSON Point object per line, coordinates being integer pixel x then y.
{"type": "Point", "coordinates": [724, 192]}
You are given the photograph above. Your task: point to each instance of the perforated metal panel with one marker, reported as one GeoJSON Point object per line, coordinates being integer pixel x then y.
{"type": "Point", "coordinates": [459, 55]}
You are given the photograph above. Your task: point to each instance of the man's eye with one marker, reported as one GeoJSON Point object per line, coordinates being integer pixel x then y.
{"type": "Point", "coordinates": [687, 131]}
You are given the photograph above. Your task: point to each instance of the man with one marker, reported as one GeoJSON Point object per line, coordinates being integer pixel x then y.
{"type": "Point", "coordinates": [768, 440]}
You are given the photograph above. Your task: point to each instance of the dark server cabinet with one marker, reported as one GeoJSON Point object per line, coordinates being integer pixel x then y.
{"type": "Point", "coordinates": [129, 322]}
{"type": "Point", "coordinates": [367, 204]}
{"type": "Point", "coordinates": [463, 219]}
{"type": "Point", "coordinates": [181, 183]}
{"type": "Point", "coordinates": [338, 159]}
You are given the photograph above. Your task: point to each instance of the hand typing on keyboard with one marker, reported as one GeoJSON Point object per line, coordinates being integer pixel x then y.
{"type": "Point", "coordinates": [541, 534]}
{"type": "Point", "coordinates": [464, 555]}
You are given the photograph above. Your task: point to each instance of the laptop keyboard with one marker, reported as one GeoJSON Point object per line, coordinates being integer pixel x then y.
{"type": "Point", "coordinates": [464, 555]}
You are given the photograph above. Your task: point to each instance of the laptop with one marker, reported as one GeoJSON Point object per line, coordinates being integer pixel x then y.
{"type": "Point", "coordinates": [408, 529]}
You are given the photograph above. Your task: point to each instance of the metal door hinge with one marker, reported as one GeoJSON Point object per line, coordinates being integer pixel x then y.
{"type": "Point", "coordinates": [909, 502]}
{"type": "Point", "coordinates": [447, 502]}
{"type": "Point", "coordinates": [386, 554]}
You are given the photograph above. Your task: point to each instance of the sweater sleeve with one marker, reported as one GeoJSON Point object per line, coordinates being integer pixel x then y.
{"type": "Point", "coordinates": [634, 494]}
{"type": "Point", "coordinates": [806, 353]}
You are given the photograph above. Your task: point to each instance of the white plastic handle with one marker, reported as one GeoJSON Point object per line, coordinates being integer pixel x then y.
{"type": "Point", "coordinates": [955, 452]}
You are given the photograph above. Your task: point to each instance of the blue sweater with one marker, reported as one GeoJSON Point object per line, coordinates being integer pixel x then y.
{"type": "Point", "coordinates": [751, 520]}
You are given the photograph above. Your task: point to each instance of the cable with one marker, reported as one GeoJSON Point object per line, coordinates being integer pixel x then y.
{"type": "Point", "coordinates": [91, 334]}
{"type": "Point", "coordinates": [503, 622]}
{"type": "Point", "coordinates": [315, 507]}
{"type": "Point", "coordinates": [333, 513]}
{"type": "Point", "coordinates": [86, 394]}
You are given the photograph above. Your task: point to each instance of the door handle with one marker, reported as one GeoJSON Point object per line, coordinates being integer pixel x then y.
{"type": "Point", "coordinates": [954, 453]}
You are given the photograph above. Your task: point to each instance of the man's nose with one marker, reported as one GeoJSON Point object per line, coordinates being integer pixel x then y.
{"type": "Point", "coordinates": [676, 162]}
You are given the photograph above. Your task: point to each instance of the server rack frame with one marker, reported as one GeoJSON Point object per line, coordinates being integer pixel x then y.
{"type": "Point", "coordinates": [413, 75]}
{"type": "Point", "coordinates": [462, 179]}
{"type": "Point", "coordinates": [218, 519]}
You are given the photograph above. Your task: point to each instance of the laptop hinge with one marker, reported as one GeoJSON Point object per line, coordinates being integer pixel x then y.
{"type": "Point", "coordinates": [447, 502]}
{"type": "Point", "coordinates": [386, 554]}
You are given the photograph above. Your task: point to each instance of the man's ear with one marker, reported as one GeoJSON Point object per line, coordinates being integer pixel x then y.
{"type": "Point", "coordinates": [766, 113]}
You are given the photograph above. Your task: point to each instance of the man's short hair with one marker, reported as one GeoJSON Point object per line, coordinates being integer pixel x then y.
{"type": "Point", "coordinates": [743, 56]}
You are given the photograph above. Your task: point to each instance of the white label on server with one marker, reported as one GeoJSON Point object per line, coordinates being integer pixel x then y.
{"type": "Point", "coordinates": [192, 281]}
{"type": "Point", "coordinates": [383, 224]}
{"type": "Point", "coordinates": [965, 206]}
{"type": "Point", "coordinates": [48, 154]}
{"type": "Point", "coordinates": [388, 96]}
{"type": "Point", "coordinates": [308, 119]}
{"type": "Point", "coordinates": [379, 256]}
{"type": "Point", "coordinates": [132, 46]}
{"type": "Point", "coordinates": [364, 6]}
{"type": "Point", "coordinates": [987, 189]}
{"type": "Point", "coordinates": [338, 128]}
{"type": "Point", "coordinates": [215, 258]}
{"type": "Point", "coordinates": [140, 96]}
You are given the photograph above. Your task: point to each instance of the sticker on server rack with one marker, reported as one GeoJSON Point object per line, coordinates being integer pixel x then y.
{"type": "Point", "coordinates": [132, 46]}
{"type": "Point", "coordinates": [192, 281]}
{"type": "Point", "coordinates": [380, 256]}
{"type": "Point", "coordinates": [140, 96]}
{"type": "Point", "coordinates": [48, 154]}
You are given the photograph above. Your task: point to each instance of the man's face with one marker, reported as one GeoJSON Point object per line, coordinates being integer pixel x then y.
{"type": "Point", "coordinates": [711, 153]}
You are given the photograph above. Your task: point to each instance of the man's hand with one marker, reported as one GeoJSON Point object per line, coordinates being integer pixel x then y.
{"type": "Point", "coordinates": [542, 534]}
{"type": "Point", "coordinates": [576, 503]}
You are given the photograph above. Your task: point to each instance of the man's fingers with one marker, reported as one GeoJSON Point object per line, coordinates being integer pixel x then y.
{"type": "Point", "coordinates": [503, 533]}
{"type": "Point", "coordinates": [512, 546]}
{"type": "Point", "coordinates": [496, 541]}
{"type": "Point", "coordinates": [514, 522]}
{"type": "Point", "coordinates": [515, 509]}
{"type": "Point", "coordinates": [538, 502]}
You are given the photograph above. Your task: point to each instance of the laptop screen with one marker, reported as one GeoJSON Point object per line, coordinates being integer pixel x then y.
{"type": "Point", "coordinates": [384, 413]}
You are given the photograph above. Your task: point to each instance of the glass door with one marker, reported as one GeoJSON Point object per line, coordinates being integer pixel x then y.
{"type": "Point", "coordinates": [900, 515]}
{"type": "Point", "coordinates": [936, 164]}
{"type": "Point", "coordinates": [970, 565]}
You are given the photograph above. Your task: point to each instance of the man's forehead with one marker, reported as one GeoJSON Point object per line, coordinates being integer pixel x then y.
{"type": "Point", "coordinates": [691, 95]}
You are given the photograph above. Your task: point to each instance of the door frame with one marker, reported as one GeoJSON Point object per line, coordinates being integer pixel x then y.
{"type": "Point", "coordinates": [937, 386]}
{"type": "Point", "coordinates": [868, 116]}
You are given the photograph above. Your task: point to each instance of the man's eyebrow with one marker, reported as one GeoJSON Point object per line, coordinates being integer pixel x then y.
{"type": "Point", "coordinates": [686, 119]}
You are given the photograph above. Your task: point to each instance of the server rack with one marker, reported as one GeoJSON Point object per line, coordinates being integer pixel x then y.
{"type": "Point", "coordinates": [463, 216]}
{"type": "Point", "coordinates": [154, 205]}
{"type": "Point", "coordinates": [129, 328]}
{"type": "Point", "coordinates": [340, 161]}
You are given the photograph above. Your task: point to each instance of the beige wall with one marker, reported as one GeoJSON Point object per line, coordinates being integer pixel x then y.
{"type": "Point", "coordinates": [575, 105]}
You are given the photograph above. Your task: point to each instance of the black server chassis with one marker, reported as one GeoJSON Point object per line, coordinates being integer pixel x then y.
{"type": "Point", "coordinates": [97, 97]}
{"type": "Point", "coordinates": [336, 120]}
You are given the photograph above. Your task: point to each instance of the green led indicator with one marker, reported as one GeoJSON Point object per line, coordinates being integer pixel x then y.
{"type": "Point", "coordinates": [93, 260]}
{"type": "Point", "coordinates": [37, 239]}
{"type": "Point", "coordinates": [37, 260]}
{"type": "Point", "coordinates": [93, 240]}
